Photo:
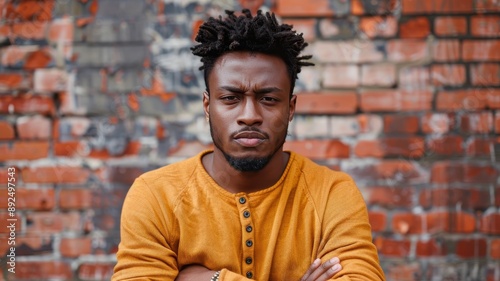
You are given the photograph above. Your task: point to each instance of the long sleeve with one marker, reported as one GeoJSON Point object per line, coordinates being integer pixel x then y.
{"type": "Point", "coordinates": [347, 234]}
{"type": "Point", "coordinates": [144, 252]}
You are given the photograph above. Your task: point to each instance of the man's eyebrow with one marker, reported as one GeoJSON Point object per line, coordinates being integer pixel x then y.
{"type": "Point", "coordinates": [232, 89]}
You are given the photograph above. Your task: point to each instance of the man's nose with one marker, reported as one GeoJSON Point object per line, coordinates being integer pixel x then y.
{"type": "Point", "coordinates": [250, 113]}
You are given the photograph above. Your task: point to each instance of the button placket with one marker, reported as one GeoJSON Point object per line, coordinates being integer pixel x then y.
{"type": "Point", "coordinates": [247, 235]}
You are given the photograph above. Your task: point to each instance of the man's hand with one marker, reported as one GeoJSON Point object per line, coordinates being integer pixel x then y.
{"type": "Point", "coordinates": [322, 272]}
{"type": "Point", "coordinates": [195, 273]}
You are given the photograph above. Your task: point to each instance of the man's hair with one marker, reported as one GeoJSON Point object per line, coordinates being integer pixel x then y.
{"type": "Point", "coordinates": [260, 33]}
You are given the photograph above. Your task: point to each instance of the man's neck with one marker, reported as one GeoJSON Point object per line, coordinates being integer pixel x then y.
{"type": "Point", "coordinates": [236, 181]}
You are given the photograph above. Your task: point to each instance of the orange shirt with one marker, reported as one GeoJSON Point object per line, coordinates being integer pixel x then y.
{"type": "Point", "coordinates": [177, 215]}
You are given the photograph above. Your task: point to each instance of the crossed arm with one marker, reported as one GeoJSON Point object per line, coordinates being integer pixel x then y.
{"type": "Point", "coordinates": [316, 272]}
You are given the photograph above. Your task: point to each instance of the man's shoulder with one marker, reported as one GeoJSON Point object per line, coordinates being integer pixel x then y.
{"type": "Point", "coordinates": [176, 171]}
{"type": "Point", "coordinates": [314, 171]}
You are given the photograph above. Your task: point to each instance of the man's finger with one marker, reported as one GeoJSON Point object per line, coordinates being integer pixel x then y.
{"type": "Point", "coordinates": [310, 270]}
{"type": "Point", "coordinates": [323, 272]}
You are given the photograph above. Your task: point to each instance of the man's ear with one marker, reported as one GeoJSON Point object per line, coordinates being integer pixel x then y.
{"type": "Point", "coordinates": [206, 104]}
{"type": "Point", "coordinates": [293, 102]}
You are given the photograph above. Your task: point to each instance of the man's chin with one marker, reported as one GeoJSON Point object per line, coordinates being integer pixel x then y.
{"type": "Point", "coordinates": [247, 164]}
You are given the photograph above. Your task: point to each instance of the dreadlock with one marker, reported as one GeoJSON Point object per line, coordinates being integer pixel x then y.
{"type": "Point", "coordinates": [260, 33]}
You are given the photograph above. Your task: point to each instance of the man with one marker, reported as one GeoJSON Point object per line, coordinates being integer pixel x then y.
{"type": "Point", "coordinates": [247, 209]}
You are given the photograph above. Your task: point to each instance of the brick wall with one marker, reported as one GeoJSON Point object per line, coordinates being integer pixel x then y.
{"type": "Point", "coordinates": [405, 97]}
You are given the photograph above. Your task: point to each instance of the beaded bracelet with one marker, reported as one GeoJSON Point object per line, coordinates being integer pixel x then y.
{"type": "Point", "coordinates": [216, 276]}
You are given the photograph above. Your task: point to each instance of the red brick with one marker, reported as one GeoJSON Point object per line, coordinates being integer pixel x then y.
{"type": "Point", "coordinates": [480, 147]}
{"type": "Point", "coordinates": [55, 174]}
{"type": "Point", "coordinates": [50, 80]}
{"type": "Point", "coordinates": [449, 172]}
{"type": "Point", "coordinates": [43, 270]}
{"type": "Point", "coordinates": [379, 26]}
{"type": "Point", "coordinates": [70, 149]}
{"type": "Point", "coordinates": [391, 146]}
{"type": "Point", "coordinates": [405, 171]}
{"type": "Point", "coordinates": [497, 122]}
{"type": "Point", "coordinates": [450, 26]}
{"type": "Point", "coordinates": [376, 7]}
{"type": "Point", "coordinates": [378, 75]}
{"type": "Point", "coordinates": [34, 30]}
{"type": "Point", "coordinates": [485, 25]}
{"type": "Point", "coordinates": [406, 272]}
{"type": "Point", "coordinates": [52, 222]}
{"type": "Point", "coordinates": [471, 248]}
{"type": "Point", "coordinates": [353, 51]}
{"type": "Point", "coordinates": [437, 6]}
{"type": "Point", "coordinates": [327, 103]}
{"type": "Point", "coordinates": [24, 150]}
{"type": "Point", "coordinates": [438, 123]}
{"type": "Point", "coordinates": [75, 247]}
{"type": "Point", "coordinates": [417, 27]}
{"type": "Point", "coordinates": [319, 149]}
{"type": "Point", "coordinates": [393, 247]}
{"type": "Point", "coordinates": [477, 122]}
{"type": "Point", "coordinates": [61, 30]}
{"type": "Point", "coordinates": [407, 50]}
{"type": "Point", "coordinates": [27, 104]}
{"type": "Point", "coordinates": [493, 98]}
{"type": "Point", "coordinates": [487, 6]}
{"type": "Point", "coordinates": [34, 127]}
{"type": "Point", "coordinates": [447, 145]}
{"type": "Point", "coordinates": [448, 74]}
{"type": "Point", "coordinates": [378, 220]}
{"type": "Point", "coordinates": [11, 81]}
{"type": "Point", "coordinates": [401, 124]}
{"type": "Point", "coordinates": [396, 100]}
{"type": "Point", "coordinates": [446, 50]}
{"type": "Point", "coordinates": [456, 222]}
{"type": "Point", "coordinates": [470, 100]}
{"type": "Point", "coordinates": [495, 248]}
{"type": "Point", "coordinates": [430, 248]}
{"type": "Point", "coordinates": [6, 131]}
{"type": "Point", "coordinates": [390, 197]}
{"type": "Point", "coordinates": [37, 59]}
{"type": "Point", "coordinates": [341, 76]}
{"type": "Point", "coordinates": [490, 223]}
{"type": "Point", "coordinates": [407, 223]}
{"type": "Point", "coordinates": [80, 198]}
{"type": "Point", "coordinates": [31, 10]}
{"type": "Point", "coordinates": [485, 74]}
{"type": "Point", "coordinates": [13, 55]}
{"type": "Point", "coordinates": [289, 8]}
{"type": "Point", "coordinates": [95, 271]}
{"type": "Point", "coordinates": [468, 198]}
{"type": "Point", "coordinates": [481, 50]}
{"type": "Point", "coordinates": [31, 198]}
{"type": "Point", "coordinates": [417, 77]}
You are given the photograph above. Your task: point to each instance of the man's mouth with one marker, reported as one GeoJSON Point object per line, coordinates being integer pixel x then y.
{"type": "Point", "coordinates": [249, 138]}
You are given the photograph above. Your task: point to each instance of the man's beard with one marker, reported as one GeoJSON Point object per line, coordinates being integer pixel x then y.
{"type": "Point", "coordinates": [246, 164]}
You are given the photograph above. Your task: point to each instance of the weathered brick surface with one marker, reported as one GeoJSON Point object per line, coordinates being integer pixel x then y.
{"type": "Point", "coordinates": [404, 96]}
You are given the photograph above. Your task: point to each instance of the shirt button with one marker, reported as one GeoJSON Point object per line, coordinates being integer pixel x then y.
{"type": "Point", "coordinates": [249, 243]}
{"type": "Point", "coordinates": [248, 260]}
{"type": "Point", "coordinates": [249, 228]}
{"type": "Point", "coordinates": [243, 200]}
{"type": "Point", "coordinates": [249, 274]}
{"type": "Point", "coordinates": [246, 214]}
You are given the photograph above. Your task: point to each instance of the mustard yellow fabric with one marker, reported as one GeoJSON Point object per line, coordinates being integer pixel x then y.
{"type": "Point", "coordinates": [177, 215]}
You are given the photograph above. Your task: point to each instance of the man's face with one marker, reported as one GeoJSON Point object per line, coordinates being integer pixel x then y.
{"type": "Point", "coordinates": [249, 108]}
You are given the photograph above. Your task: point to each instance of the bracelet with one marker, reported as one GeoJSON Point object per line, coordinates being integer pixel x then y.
{"type": "Point", "coordinates": [216, 276]}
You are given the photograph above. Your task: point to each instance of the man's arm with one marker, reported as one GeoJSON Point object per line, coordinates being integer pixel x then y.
{"type": "Point", "coordinates": [347, 233]}
{"type": "Point", "coordinates": [144, 252]}
{"type": "Point", "coordinates": [316, 272]}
